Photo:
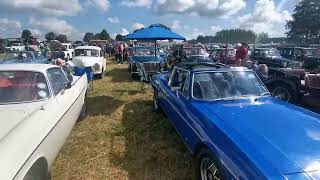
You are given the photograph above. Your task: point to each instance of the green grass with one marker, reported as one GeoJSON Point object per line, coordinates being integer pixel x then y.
{"type": "Point", "coordinates": [122, 138]}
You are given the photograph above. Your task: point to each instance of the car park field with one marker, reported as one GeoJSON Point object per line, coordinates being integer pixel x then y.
{"type": "Point", "coordinates": [122, 138]}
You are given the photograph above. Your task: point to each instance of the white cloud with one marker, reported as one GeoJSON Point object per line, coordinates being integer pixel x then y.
{"type": "Point", "coordinates": [211, 8]}
{"type": "Point", "coordinates": [266, 18]}
{"type": "Point", "coordinates": [36, 32]}
{"type": "Point", "coordinates": [45, 7]}
{"type": "Point", "coordinates": [176, 25]}
{"type": "Point", "coordinates": [10, 28]}
{"type": "Point", "coordinates": [103, 5]}
{"type": "Point", "coordinates": [136, 3]}
{"type": "Point", "coordinates": [55, 25]}
{"type": "Point", "coordinates": [114, 20]}
{"type": "Point", "coordinates": [124, 31]}
{"type": "Point", "coordinates": [137, 25]}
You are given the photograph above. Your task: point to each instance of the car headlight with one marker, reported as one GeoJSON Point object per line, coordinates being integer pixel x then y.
{"type": "Point", "coordinates": [96, 66]}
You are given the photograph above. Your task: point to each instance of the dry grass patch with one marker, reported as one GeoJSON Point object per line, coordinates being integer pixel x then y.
{"type": "Point", "coordinates": [122, 138]}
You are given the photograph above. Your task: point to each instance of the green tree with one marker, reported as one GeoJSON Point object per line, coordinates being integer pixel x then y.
{"type": "Point", "coordinates": [96, 36]}
{"type": "Point", "coordinates": [50, 36]}
{"type": "Point", "coordinates": [88, 37]}
{"type": "Point", "coordinates": [262, 38]}
{"type": "Point", "coordinates": [26, 35]}
{"type": "Point", "coordinates": [104, 35]}
{"type": "Point", "coordinates": [305, 25]}
{"type": "Point", "coordinates": [62, 38]}
{"type": "Point", "coordinates": [119, 37]}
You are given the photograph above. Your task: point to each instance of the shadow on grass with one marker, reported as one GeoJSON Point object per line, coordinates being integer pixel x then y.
{"type": "Point", "coordinates": [152, 148]}
{"type": "Point", "coordinates": [119, 75]}
{"type": "Point", "coordinates": [102, 105]}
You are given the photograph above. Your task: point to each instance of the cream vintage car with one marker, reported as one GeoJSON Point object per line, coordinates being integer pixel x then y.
{"type": "Point", "coordinates": [39, 105]}
{"type": "Point", "coordinates": [90, 56]}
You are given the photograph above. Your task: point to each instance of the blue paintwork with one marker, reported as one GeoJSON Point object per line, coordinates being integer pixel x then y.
{"type": "Point", "coordinates": [36, 59]}
{"type": "Point", "coordinates": [264, 139]}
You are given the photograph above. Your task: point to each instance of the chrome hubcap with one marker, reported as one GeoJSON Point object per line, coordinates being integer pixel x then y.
{"type": "Point", "coordinates": [208, 170]}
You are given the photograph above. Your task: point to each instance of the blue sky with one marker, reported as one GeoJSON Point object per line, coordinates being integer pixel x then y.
{"type": "Point", "coordinates": [190, 18]}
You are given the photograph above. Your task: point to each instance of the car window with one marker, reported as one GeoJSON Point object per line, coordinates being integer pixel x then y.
{"type": "Point", "coordinates": [22, 86]}
{"type": "Point", "coordinates": [186, 88]}
{"type": "Point", "coordinates": [178, 78]}
{"type": "Point", "coordinates": [57, 79]}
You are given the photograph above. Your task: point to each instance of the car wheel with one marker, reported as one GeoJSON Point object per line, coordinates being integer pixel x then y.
{"type": "Point", "coordinates": [100, 76]}
{"type": "Point", "coordinates": [129, 67]}
{"type": "Point", "coordinates": [134, 75]}
{"type": "Point", "coordinates": [156, 106]}
{"type": "Point", "coordinates": [283, 92]}
{"type": "Point", "coordinates": [207, 167]}
{"type": "Point", "coordinates": [83, 113]}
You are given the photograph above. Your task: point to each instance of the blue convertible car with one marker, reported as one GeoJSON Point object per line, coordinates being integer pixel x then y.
{"type": "Point", "coordinates": [234, 128]}
{"type": "Point", "coordinates": [142, 62]}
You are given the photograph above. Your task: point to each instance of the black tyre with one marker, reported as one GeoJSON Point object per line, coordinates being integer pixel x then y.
{"type": "Point", "coordinates": [284, 92]}
{"type": "Point", "coordinates": [129, 67]}
{"type": "Point", "coordinates": [207, 167]}
{"type": "Point", "coordinates": [156, 105]}
{"type": "Point", "coordinates": [100, 76]}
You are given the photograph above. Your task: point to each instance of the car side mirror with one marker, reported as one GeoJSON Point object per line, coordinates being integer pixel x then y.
{"type": "Point", "coordinates": [68, 85]}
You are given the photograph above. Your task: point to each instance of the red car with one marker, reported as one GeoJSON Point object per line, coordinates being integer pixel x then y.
{"type": "Point", "coordinates": [223, 55]}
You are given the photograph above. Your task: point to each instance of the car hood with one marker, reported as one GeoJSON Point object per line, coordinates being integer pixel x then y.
{"type": "Point", "coordinates": [285, 136]}
{"type": "Point", "coordinates": [13, 114]}
{"type": "Point", "coordinates": [146, 58]}
{"type": "Point", "coordinates": [85, 61]}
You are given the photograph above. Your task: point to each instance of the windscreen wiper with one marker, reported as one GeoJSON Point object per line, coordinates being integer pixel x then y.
{"type": "Point", "coordinates": [263, 94]}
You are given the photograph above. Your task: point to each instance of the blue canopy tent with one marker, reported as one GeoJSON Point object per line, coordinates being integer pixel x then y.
{"type": "Point", "coordinates": [154, 32]}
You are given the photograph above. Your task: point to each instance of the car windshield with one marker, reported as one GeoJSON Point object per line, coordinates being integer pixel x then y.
{"type": "Point", "coordinates": [194, 51]}
{"type": "Point", "coordinates": [312, 52]}
{"type": "Point", "coordinates": [271, 52]}
{"type": "Point", "coordinates": [144, 51]}
{"type": "Point", "coordinates": [16, 44]}
{"type": "Point", "coordinates": [22, 86]}
{"type": "Point", "coordinates": [19, 56]}
{"type": "Point", "coordinates": [86, 52]}
{"type": "Point", "coordinates": [226, 85]}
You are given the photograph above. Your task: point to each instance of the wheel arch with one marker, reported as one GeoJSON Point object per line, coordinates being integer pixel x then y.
{"type": "Point", "coordinates": [39, 170]}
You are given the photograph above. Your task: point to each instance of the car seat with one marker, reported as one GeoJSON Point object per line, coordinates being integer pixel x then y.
{"type": "Point", "coordinates": [197, 91]}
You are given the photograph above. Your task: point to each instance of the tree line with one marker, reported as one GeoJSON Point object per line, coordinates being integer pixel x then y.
{"type": "Point", "coordinates": [233, 36]}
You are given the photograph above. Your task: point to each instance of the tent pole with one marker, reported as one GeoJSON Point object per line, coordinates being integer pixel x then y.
{"type": "Point", "coordinates": [155, 50]}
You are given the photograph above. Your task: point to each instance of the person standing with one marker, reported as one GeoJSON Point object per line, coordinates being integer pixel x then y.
{"type": "Point", "coordinates": [120, 52]}
{"type": "Point", "coordinates": [116, 54]}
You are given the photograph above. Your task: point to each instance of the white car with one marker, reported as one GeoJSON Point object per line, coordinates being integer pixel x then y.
{"type": "Point", "coordinates": [17, 47]}
{"type": "Point", "coordinates": [90, 56]}
{"type": "Point", "coordinates": [39, 105]}
{"type": "Point", "coordinates": [68, 51]}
